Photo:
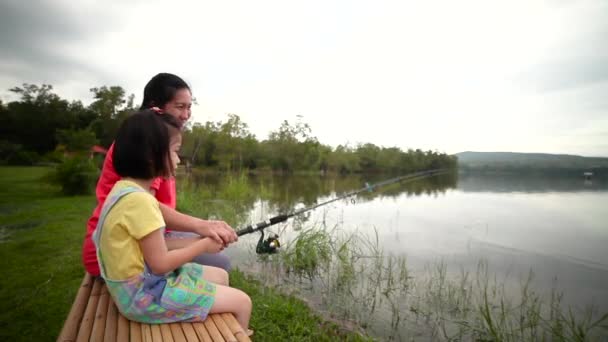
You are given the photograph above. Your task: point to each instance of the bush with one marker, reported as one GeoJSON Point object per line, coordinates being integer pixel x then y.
{"type": "Point", "coordinates": [14, 154]}
{"type": "Point", "coordinates": [76, 175]}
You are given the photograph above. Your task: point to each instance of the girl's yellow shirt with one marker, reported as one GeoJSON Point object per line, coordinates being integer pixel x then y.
{"type": "Point", "coordinates": [133, 217]}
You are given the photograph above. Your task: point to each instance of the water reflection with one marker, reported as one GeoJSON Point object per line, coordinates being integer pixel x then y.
{"type": "Point", "coordinates": [554, 225]}
{"type": "Point", "coordinates": [532, 182]}
{"type": "Point", "coordinates": [284, 193]}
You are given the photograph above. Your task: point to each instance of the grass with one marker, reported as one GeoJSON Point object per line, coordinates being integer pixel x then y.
{"type": "Point", "coordinates": [230, 200]}
{"type": "Point", "coordinates": [278, 317]}
{"type": "Point", "coordinates": [41, 234]}
{"type": "Point", "coordinates": [39, 254]}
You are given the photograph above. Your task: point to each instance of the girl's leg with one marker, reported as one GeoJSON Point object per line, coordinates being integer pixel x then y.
{"type": "Point", "coordinates": [237, 302]}
{"type": "Point", "coordinates": [215, 275]}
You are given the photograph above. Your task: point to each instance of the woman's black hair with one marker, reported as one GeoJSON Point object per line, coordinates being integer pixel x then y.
{"type": "Point", "coordinates": [141, 148]}
{"type": "Point", "coordinates": [161, 89]}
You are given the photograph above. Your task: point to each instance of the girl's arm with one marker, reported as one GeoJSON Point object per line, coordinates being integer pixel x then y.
{"type": "Point", "coordinates": [161, 260]}
{"type": "Point", "coordinates": [219, 231]}
{"type": "Point", "coordinates": [175, 243]}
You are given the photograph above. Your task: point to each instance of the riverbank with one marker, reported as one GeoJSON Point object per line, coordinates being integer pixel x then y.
{"type": "Point", "coordinates": [41, 235]}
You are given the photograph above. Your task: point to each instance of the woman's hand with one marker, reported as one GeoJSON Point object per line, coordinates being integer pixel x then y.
{"type": "Point", "coordinates": [219, 231]}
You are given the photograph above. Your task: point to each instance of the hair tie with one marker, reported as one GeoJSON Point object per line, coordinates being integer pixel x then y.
{"type": "Point", "coordinates": [157, 110]}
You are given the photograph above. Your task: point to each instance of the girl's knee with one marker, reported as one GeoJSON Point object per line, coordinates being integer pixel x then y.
{"type": "Point", "coordinates": [215, 275]}
{"type": "Point", "coordinates": [245, 301]}
{"type": "Point", "coordinates": [223, 276]}
{"type": "Point", "coordinates": [229, 299]}
{"type": "Point", "coordinates": [248, 302]}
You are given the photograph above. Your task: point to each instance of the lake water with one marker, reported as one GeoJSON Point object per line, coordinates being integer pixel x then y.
{"type": "Point", "coordinates": [553, 226]}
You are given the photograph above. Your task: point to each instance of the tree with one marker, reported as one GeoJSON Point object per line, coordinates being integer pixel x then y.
{"type": "Point", "coordinates": [108, 101]}
{"type": "Point", "coordinates": [76, 140]}
{"type": "Point", "coordinates": [368, 157]}
{"type": "Point", "coordinates": [110, 110]}
{"type": "Point", "coordinates": [231, 138]}
{"type": "Point", "coordinates": [293, 147]}
{"type": "Point", "coordinates": [32, 121]}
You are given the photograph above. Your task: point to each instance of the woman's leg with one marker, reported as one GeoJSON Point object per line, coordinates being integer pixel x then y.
{"type": "Point", "coordinates": [219, 260]}
{"type": "Point", "coordinates": [215, 275]}
{"type": "Point", "coordinates": [237, 302]}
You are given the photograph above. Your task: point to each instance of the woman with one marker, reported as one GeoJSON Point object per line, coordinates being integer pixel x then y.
{"type": "Point", "coordinates": [166, 93]}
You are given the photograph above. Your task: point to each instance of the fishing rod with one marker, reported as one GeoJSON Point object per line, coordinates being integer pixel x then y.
{"type": "Point", "coordinates": [273, 242]}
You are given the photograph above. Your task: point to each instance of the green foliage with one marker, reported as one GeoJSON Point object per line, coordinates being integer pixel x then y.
{"type": "Point", "coordinates": [33, 121]}
{"type": "Point", "coordinates": [229, 200]}
{"type": "Point", "coordinates": [76, 140]}
{"type": "Point", "coordinates": [76, 175]}
{"type": "Point", "coordinates": [14, 154]}
{"type": "Point", "coordinates": [344, 160]}
{"type": "Point", "coordinates": [292, 147]}
{"type": "Point", "coordinates": [40, 257]}
{"type": "Point", "coordinates": [110, 108]}
{"type": "Point", "coordinates": [277, 317]}
{"type": "Point", "coordinates": [41, 121]}
{"type": "Point", "coordinates": [308, 253]}
{"type": "Point", "coordinates": [358, 283]}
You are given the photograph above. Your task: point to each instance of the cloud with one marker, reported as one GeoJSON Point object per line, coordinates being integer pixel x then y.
{"type": "Point", "coordinates": [434, 75]}
{"type": "Point", "coordinates": [38, 39]}
{"type": "Point", "coordinates": [579, 58]}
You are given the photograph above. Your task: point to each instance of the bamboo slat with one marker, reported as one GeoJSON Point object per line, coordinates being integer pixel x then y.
{"type": "Point", "coordinates": [189, 332]}
{"type": "Point", "coordinates": [235, 327]}
{"type": "Point", "coordinates": [84, 332]}
{"type": "Point", "coordinates": [111, 322]}
{"type": "Point", "coordinates": [156, 334]}
{"type": "Point", "coordinates": [135, 332]}
{"type": "Point", "coordinates": [95, 317]}
{"type": "Point", "coordinates": [70, 327]}
{"type": "Point", "coordinates": [146, 333]}
{"type": "Point", "coordinates": [122, 333]}
{"type": "Point", "coordinates": [212, 329]}
{"type": "Point", "coordinates": [166, 333]}
{"type": "Point", "coordinates": [201, 332]}
{"type": "Point", "coordinates": [176, 331]}
{"type": "Point", "coordinates": [99, 324]}
{"type": "Point", "coordinates": [223, 328]}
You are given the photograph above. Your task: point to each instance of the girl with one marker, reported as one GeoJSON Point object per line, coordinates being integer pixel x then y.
{"type": "Point", "coordinates": [148, 282]}
{"type": "Point", "coordinates": [169, 94]}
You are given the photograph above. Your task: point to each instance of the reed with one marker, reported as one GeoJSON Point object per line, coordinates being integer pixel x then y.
{"type": "Point", "coordinates": [380, 292]}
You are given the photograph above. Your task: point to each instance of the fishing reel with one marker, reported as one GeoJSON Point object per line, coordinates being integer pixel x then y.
{"type": "Point", "coordinates": [268, 246]}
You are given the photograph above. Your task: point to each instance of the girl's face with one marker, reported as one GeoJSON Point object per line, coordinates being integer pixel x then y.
{"type": "Point", "coordinates": [180, 106]}
{"type": "Point", "coordinates": [174, 145]}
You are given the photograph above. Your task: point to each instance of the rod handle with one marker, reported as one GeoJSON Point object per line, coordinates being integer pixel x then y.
{"type": "Point", "coordinates": [261, 225]}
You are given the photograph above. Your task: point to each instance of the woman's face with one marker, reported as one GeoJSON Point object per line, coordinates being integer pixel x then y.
{"type": "Point", "coordinates": [174, 145]}
{"type": "Point", "coordinates": [180, 106]}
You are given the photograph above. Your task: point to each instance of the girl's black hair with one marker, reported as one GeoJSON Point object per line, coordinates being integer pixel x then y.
{"type": "Point", "coordinates": [161, 89]}
{"type": "Point", "coordinates": [141, 148]}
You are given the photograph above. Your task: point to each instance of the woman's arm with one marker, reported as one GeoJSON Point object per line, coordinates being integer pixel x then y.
{"type": "Point", "coordinates": [161, 260]}
{"type": "Point", "coordinates": [219, 231]}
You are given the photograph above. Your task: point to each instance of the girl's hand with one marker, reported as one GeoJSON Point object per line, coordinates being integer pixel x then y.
{"type": "Point", "coordinates": [212, 246]}
{"type": "Point", "coordinates": [219, 231]}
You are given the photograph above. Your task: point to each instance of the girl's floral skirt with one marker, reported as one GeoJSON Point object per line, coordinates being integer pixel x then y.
{"type": "Point", "coordinates": [180, 296]}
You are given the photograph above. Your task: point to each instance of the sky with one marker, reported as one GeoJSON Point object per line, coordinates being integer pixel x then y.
{"type": "Point", "coordinates": [448, 76]}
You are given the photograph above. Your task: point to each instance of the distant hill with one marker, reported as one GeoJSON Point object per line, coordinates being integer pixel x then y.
{"type": "Point", "coordinates": [514, 160]}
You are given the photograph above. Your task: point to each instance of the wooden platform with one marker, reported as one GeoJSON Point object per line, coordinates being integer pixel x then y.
{"type": "Point", "coordinates": [94, 317]}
